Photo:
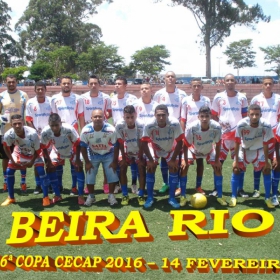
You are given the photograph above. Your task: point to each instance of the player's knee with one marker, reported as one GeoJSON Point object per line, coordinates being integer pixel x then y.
{"type": "Point", "coordinates": [236, 171]}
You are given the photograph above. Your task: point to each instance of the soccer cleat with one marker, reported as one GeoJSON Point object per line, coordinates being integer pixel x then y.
{"type": "Point", "coordinates": [125, 200]}
{"type": "Point", "coordinates": [117, 189]}
{"type": "Point", "coordinates": [141, 200]}
{"type": "Point", "coordinates": [134, 189]}
{"type": "Point", "coordinates": [38, 190]}
{"type": "Point", "coordinates": [86, 190]}
{"type": "Point", "coordinates": [81, 200]}
{"type": "Point", "coordinates": [112, 200]}
{"type": "Point", "coordinates": [8, 201]}
{"type": "Point", "coordinates": [177, 191]}
{"type": "Point", "coordinates": [173, 202]}
{"type": "Point", "coordinates": [106, 188]}
{"type": "Point", "coordinates": [56, 199]}
{"type": "Point", "coordinates": [23, 189]}
{"type": "Point", "coordinates": [222, 201]}
{"type": "Point", "coordinates": [200, 190]}
{"type": "Point", "coordinates": [5, 187]}
{"type": "Point", "coordinates": [149, 202]}
{"type": "Point", "coordinates": [74, 191]}
{"type": "Point", "coordinates": [256, 194]}
{"type": "Point", "coordinates": [241, 193]}
{"type": "Point", "coordinates": [90, 200]}
{"type": "Point", "coordinates": [164, 188]}
{"type": "Point", "coordinates": [269, 203]}
{"type": "Point", "coordinates": [46, 201]}
{"type": "Point", "coordinates": [274, 200]}
{"type": "Point", "coordinates": [183, 201]}
{"type": "Point", "coordinates": [60, 190]}
{"type": "Point", "coordinates": [213, 193]}
{"type": "Point", "coordinates": [232, 202]}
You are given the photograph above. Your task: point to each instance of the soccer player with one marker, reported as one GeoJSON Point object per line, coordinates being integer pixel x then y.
{"type": "Point", "coordinates": [253, 135]}
{"type": "Point", "coordinates": [172, 97]}
{"type": "Point", "coordinates": [129, 132]}
{"type": "Point", "coordinates": [189, 113]}
{"type": "Point", "coordinates": [119, 101]}
{"type": "Point", "coordinates": [69, 106]}
{"type": "Point", "coordinates": [26, 153]}
{"type": "Point", "coordinates": [99, 137]}
{"type": "Point", "coordinates": [92, 100]}
{"type": "Point", "coordinates": [228, 108]}
{"type": "Point", "coordinates": [270, 106]}
{"type": "Point", "coordinates": [145, 108]}
{"type": "Point", "coordinates": [12, 101]}
{"type": "Point", "coordinates": [64, 140]}
{"type": "Point", "coordinates": [166, 136]}
{"type": "Point", "coordinates": [38, 110]}
{"type": "Point", "coordinates": [203, 140]}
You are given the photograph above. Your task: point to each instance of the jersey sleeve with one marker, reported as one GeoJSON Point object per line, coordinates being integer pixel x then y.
{"type": "Point", "coordinates": [114, 137]}
{"type": "Point", "coordinates": [268, 135]}
{"type": "Point", "coordinates": [184, 110]}
{"type": "Point", "coordinates": [28, 114]}
{"type": "Point", "coordinates": [189, 137]}
{"type": "Point", "coordinates": [178, 133]}
{"type": "Point", "coordinates": [53, 106]}
{"type": "Point", "coordinates": [215, 106]}
{"type": "Point", "coordinates": [83, 138]}
{"type": "Point", "coordinates": [7, 141]}
{"type": "Point", "coordinates": [244, 108]}
{"type": "Point", "coordinates": [238, 134]}
{"type": "Point", "coordinates": [80, 106]}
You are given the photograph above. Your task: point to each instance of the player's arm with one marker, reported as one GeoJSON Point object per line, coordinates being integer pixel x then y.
{"type": "Point", "coordinates": [217, 163]}
{"type": "Point", "coordinates": [114, 163]}
{"type": "Point", "coordinates": [81, 119]}
{"type": "Point", "coordinates": [183, 124]}
{"type": "Point", "coordinates": [9, 154]}
{"type": "Point", "coordinates": [47, 157]}
{"type": "Point", "coordinates": [30, 163]}
{"type": "Point", "coordinates": [235, 164]}
{"type": "Point", "coordinates": [88, 165]}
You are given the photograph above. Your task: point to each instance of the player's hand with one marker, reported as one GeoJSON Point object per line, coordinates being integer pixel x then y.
{"type": "Point", "coordinates": [141, 162]}
{"type": "Point", "coordinates": [184, 164]}
{"type": "Point", "coordinates": [49, 164]}
{"type": "Point", "coordinates": [267, 166]}
{"type": "Point", "coordinates": [27, 164]}
{"type": "Point", "coordinates": [235, 167]}
{"type": "Point", "coordinates": [173, 165]}
{"type": "Point", "coordinates": [151, 166]}
{"type": "Point", "coordinates": [274, 164]}
{"type": "Point", "coordinates": [78, 163]}
{"type": "Point", "coordinates": [123, 163]}
{"type": "Point", "coordinates": [217, 165]}
{"type": "Point", "coordinates": [114, 165]}
{"type": "Point", "coordinates": [88, 166]}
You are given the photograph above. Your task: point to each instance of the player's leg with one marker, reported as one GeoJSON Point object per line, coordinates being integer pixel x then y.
{"type": "Point", "coordinates": [59, 172]}
{"type": "Point", "coordinates": [134, 172]}
{"type": "Point", "coordinates": [173, 182]}
{"type": "Point", "coordinates": [142, 182]}
{"type": "Point", "coordinates": [23, 182]}
{"type": "Point", "coordinates": [123, 181]}
{"type": "Point", "coordinates": [10, 172]}
{"type": "Point", "coordinates": [54, 182]}
{"type": "Point", "coordinates": [81, 183]}
{"type": "Point", "coordinates": [199, 175]}
{"type": "Point", "coordinates": [150, 183]}
{"type": "Point", "coordinates": [74, 190]}
{"type": "Point", "coordinates": [183, 181]}
{"type": "Point", "coordinates": [105, 183]}
{"type": "Point", "coordinates": [267, 188]}
{"type": "Point", "coordinates": [38, 188]}
{"type": "Point", "coordinates": [111, 176]}
{"type": "Point", "coordinates": [164, 173]}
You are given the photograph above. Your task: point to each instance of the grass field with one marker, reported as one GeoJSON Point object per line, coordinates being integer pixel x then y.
{"type": "Point", "coordinates": [159, 223]}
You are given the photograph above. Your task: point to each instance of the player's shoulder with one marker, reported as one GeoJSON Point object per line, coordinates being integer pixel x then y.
{"type": "Point", "coordinates": [173, 121]}
{"type": "Point", "coordinates": [107, 127]}
{"type": "Point", "coordinates": [130, 96]}
{"type": "Point", "coordinates": [120, 124]}
{"type": "Point", "coordinates": [31, 130]}
{"type": "Point", "coordinates": [65, 128]}
{"type": "Point", "coordinates": [182, 93]}
{"type": "Point", "coordinates": [151, 123]}
{"type": "Point", "coordinates": [140, 123]}
{"type": "Point", "coordinates": [32, 100]}
{"type": "Point", "coordinates": [264, 122]}
{"type": "Point", "coordinates": [46, 129]}
{"type": "Point", "coordinates": [204, 98]}
{"type": "Point", "coordinates": [240, 96]}
{"type": "Point", "coordinates": [214, 124]}
{"type": "Point", "coordinates": [85, 95]}
{"type": "Point", "coordinates": [243, 122]}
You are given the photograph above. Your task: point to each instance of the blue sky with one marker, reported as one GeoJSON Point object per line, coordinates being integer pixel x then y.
{"type": "Point", "coordinates": [135, 24]}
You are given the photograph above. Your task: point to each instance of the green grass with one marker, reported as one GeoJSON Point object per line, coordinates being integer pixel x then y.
{"type": "Point", "coordinates": [159, 223]}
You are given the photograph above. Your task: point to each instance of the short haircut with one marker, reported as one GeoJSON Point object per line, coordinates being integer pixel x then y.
{"type": "Point", "coordinates": [16, 117]}
{"type": "Point", "coordinates": [122, 78]}
{"type": "Point", "coordinates": [196, 80]}
{"type": "Point", "coordinates": [229, 74]}
{"type": "Point", "coordinates": [66, 77]}
{"type": "Point", "coordinates": [204, 110]}
{"type": "Point", "coordinates": [94, 77]}
{"type": "Point", "coordinates": [11, 76]}
{"type": "Point", "coordinates": [40, 84]}
{"type": "Point", "coordinates": [54, 117]}
{"type": "Point", "coordinates": [268, 78]}
{"type": "Point", "coordinates": [254, 107]}
{"type": "Point", "coordinates": [161, 107]}
{"type": "Point", "coordinates": [170, 72]}
{"type": "Point", "coordinates": [129, 109]}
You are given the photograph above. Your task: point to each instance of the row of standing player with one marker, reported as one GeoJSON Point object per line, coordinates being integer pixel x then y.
{"type": "Point", "coordinates": [176, 101]}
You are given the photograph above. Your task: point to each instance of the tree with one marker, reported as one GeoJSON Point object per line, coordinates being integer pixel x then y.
{"type": "Point", "coordinates": [150, 61]}
{"type": "Point", "coordinates": [17, 71]}
{"type": "Point", "coordinates": [58, 22]}
{"type": "Point", "coordinates": [101, 59]}
{"type": "Point", "coordinates": [41, 70]}
{"type": "Point", "coordinates": [272, 56]}
{"type": "Point", "coordinates": [240, 54]}
{"type": "Point", "coordinates": [127, 70]}
{"type": "Point", "coordinates": [216, 17]}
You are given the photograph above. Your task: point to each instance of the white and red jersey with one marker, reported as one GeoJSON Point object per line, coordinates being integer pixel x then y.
{"type": "Point", "coordinates": [146, 111]}
{"type": "Point", "coordinates": [69, 108]}
{"type": "Point", "coordinates": [163, 139]}
{"type": "Point", "coordinates": [230, 111]}
{"type": "Point", "coordinates": [202, 142]}
{"type": "Point", "coordinates": [173, 101]}
{"type": "Point", "coordinates": [277, 133]}
{"type": "Point", "coordinates": [190, 108]}
{"type": "Point", "coordinates": [253, 138]}
{"type": "Point", "coordinates": [26, 147]}
{"type": "Point", "coordinates": [99, 142]}
{"type": "Point", "coordinates": [130, 137]}
{"type": "Point", "coordinates": [102, 101]}
{"type": "Point", "coordinates": [118, 105]}
{"type": "Point", "coordinates": [270, 108]}
{"type": "Point", "coordinates": [63, 146]}
{"type": "Point", "coordinates": [38, 113]}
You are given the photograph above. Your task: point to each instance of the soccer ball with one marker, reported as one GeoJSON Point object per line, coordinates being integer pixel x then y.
{"type": "Point", "coordinates": [198, 201]}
